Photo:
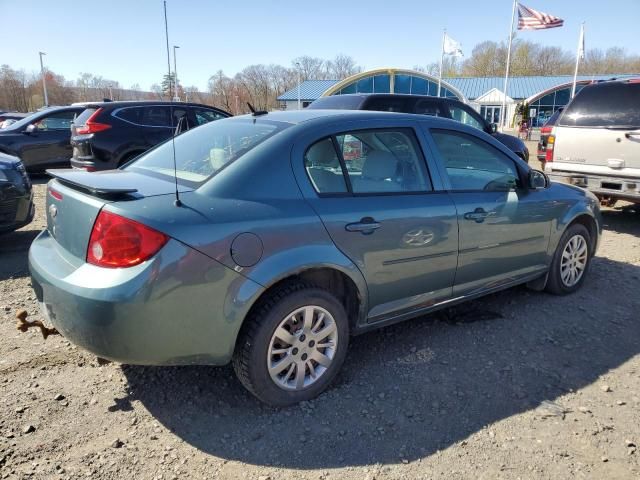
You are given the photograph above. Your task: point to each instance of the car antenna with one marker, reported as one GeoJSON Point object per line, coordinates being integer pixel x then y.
{"type": "Point", "coordinates": [254, 112]}
{"type": "Point", "coordinates": [177, 201]}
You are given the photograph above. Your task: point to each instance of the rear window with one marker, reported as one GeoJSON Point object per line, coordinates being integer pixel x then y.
{"type": "Point", "coordinates": [614, 104]}
{"type": "Point", "coordinates": [387, 104]}
{"type": "Point", "coordinates": [84, 116]}
{"type": "Point", "coordinates": [553, 118]}
{"type": "Point", "coordinates": [202, 152]}
{"type": "Point", "coordinates": [337, 102]}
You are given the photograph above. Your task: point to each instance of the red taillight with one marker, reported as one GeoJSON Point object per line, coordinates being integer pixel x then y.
{"type": "Point", "coordinates": [546, 129]}
{"type": "Point", "coordinates": [119, 242]}
{"type": "Point", "coordinates": [55, 194]}
{"type": "Point", "coordinates": [551, 141]}
{"type": "Point", "coordinates": [91, 126]}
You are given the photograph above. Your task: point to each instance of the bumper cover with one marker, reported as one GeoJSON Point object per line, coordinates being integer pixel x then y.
{"type": "Point", "coordinates": [16, 210]}
{"type": "Point", "coordinates": [602, 186]}
{"type": "Point", "coordinates": [179, 308]}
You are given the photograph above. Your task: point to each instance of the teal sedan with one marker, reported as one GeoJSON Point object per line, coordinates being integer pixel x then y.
{"type": "Point", "coordinates": [267, 240]}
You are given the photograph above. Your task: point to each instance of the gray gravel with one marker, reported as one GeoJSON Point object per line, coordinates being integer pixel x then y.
{"type": "Point", "coordinates": [516, 385]}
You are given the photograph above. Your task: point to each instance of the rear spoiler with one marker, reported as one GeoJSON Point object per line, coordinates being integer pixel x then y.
{"type": "Point", "coordinates": [101, 184]}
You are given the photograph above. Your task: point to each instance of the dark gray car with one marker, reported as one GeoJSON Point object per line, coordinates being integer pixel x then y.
{"type": "Point", "coordinates": [283, 234]}
{"type": "Point", "coordinates": [422, 105]}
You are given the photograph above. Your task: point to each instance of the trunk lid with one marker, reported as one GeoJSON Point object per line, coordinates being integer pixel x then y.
{"type": "Point", "coordinates": [75, 197]}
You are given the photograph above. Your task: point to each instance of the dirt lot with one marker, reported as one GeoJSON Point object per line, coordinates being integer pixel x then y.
{"type": "Point", "coordinates": [517, 385]}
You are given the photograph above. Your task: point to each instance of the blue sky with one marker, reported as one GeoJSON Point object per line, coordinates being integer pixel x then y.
{"type": "Point", "coordinates": [124, 39]}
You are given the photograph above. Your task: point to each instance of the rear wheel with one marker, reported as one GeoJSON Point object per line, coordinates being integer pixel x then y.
{"type": "Point", "coordinates": [293, 345]}
{"type": "Point", "coordinates": [571, 261]}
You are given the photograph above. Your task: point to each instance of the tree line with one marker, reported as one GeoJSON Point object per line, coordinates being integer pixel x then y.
{"type": "Point", "coordinates": [261, 84]}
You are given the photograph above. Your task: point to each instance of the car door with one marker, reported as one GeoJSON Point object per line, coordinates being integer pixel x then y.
{"type": "Point", "coordinates": [49, 144]}
{"type": "Point", "coordinates": [372, 190]}
{"type": "Point", "coordinates": [504, 226]}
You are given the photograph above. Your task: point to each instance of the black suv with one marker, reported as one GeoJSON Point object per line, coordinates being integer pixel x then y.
{"type": "Point", "coordinates": [422, 105]}
{"type": "Point", "coordinates": [41, 140]}
{"type": "Point", "coordinates": [108, 134]}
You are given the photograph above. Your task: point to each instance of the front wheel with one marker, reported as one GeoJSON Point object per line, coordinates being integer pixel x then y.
{"type": "Point", "coordinates": [571, 261]}
{"type": "Point", "coordinates": [293, 345]}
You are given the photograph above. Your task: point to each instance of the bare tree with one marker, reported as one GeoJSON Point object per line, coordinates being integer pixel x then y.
{"type": "Point", "coordinates": [341, 67]}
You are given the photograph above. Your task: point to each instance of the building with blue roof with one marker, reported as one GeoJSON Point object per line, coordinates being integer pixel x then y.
{"type": "Point", "coordinates": [543, 94]}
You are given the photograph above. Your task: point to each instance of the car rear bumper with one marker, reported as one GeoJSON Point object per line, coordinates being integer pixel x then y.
{"type": "Point", "coordinates": [602, 186]}
{"type": "Point", "coordinates": [179, 308]}
{"type": "Point", "coordinates": [91, 165]}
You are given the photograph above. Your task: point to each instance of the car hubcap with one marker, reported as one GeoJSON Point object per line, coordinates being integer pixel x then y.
{"type": "Point", "coordinates": [302, 348]}
{"type": "Point", "coordinates": [574, 260]}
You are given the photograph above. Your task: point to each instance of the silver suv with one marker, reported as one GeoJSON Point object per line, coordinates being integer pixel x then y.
{"type": "Point", "coordinates": [596, 142]}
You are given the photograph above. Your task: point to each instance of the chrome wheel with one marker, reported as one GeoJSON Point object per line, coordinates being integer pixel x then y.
{"type": "Point", "coordinates": [302, 348]}
{"type": "Point", "coordinates": [574, 260]}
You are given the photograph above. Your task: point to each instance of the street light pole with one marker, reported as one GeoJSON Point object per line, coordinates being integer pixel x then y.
{"type": "Point", "coordinates": [176, 97]}
{"type": "Point", "coordinates": [110, 92]}
{"type": "Point", "coordinates": [166, 32]}
{"type": "Point", "coordinates": [44, 81]}
{"type": "Point", "coordinates": [299, 80]}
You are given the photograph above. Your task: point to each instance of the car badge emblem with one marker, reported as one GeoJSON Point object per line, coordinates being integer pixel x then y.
{"type": "Point", "coordinates": [53, 211]}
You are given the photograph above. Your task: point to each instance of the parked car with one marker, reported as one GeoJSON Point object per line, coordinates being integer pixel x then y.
{"type": "Point", "coordinates": [423, 105]}
{"type": "Point", "coordinates": [41, 140]}
{"type": "Point", "coordinates": [16, 197]}
{"type": "Point", "coordinates": [109, 134]}
{"type": "Point", "coordinates": [278, 249]}
{"type": "Point", "coordinates": [545, 131]}
{"type": "Point", "coordinates": [596, 142]}
{"type": "Point", "coordinates": [9, 118]}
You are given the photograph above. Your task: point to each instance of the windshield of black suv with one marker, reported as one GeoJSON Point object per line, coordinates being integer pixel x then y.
{"type": "Point", "coordinates": [202, 152]}
{"type": "Point", "coordinates": [612, 104]}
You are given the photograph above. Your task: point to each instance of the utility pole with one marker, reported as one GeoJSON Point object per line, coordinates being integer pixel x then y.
{"type": "Point", "coordinates": [176, 97]}
{"type": "Point", "coordinates": [44, 80]}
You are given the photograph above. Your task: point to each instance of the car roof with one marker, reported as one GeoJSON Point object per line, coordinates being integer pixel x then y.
{"type": "Point", "coordinates": [397, 95]}
{"type": "Point", "coordinates": [131, 103]}
{"type": "Point", "coordinates": [295, 117]}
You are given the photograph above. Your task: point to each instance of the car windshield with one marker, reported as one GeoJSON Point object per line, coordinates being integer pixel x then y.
{"type": "Point", "coordinates": [202, 152]}
{"type": "Point", "coordinates": [28, 120]}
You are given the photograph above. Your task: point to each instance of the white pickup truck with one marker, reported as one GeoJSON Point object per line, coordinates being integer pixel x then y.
{"type": "Point", "coordinates": [596, 142]}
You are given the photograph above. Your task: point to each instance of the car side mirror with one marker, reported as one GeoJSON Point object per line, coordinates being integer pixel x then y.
{"type": "Point", "coordinates": [538, 180]}
{"type": "Point", "coordinates": [31, 128]}
{"type": "Point", "coordinates": [493, 128]}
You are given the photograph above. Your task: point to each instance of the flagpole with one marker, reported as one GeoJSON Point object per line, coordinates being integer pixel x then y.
{"type": "Point", "coordinates": [503, 113]}
{"type": "Point", "coordinates": [444, 33]}
{"type": "Point", "coordinates": [579, 52]}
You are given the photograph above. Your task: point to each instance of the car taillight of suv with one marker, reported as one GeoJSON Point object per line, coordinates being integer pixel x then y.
{"type": "Point", "coordinates": [551, 141]}
{"type": "Point", "coordinates": [91, 126]}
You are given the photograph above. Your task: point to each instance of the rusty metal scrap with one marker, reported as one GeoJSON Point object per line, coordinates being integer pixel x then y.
{"type": "Point", "coordinates": [23, 325]}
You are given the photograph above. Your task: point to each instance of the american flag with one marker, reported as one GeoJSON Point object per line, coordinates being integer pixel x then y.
{"type": "Point", "coordinates": [530, 19]}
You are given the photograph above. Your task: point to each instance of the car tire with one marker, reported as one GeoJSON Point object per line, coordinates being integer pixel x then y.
{"type": "Point", "coordinates": [280, 332]}
{"type": "Point", "coordinates": [571, 261]}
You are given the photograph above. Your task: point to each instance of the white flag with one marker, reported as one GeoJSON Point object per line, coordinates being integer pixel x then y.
{"type": "Point", "coordinates": [581, 44]}
{"type": "Point", "coordinates": [451, 47]}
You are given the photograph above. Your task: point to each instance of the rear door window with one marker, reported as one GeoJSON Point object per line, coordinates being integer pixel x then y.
{"type": "Point", "coordinates": [614, 104]}
{"type": "Point", "coordinates": [157, 116]}
{"type": "Point", "coordinates": [131, 114]}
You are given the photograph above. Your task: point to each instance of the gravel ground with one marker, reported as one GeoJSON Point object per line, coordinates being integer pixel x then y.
{"type": "Point", "coordinates": [516, 385]}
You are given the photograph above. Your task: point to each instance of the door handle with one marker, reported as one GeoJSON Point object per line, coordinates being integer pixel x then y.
{"type": "Point", "coordinates": [478, 215]}
{"type": "Point", "coordinates": [629, 135]}
{"type": "Point", "coordinates": [366, 226]}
